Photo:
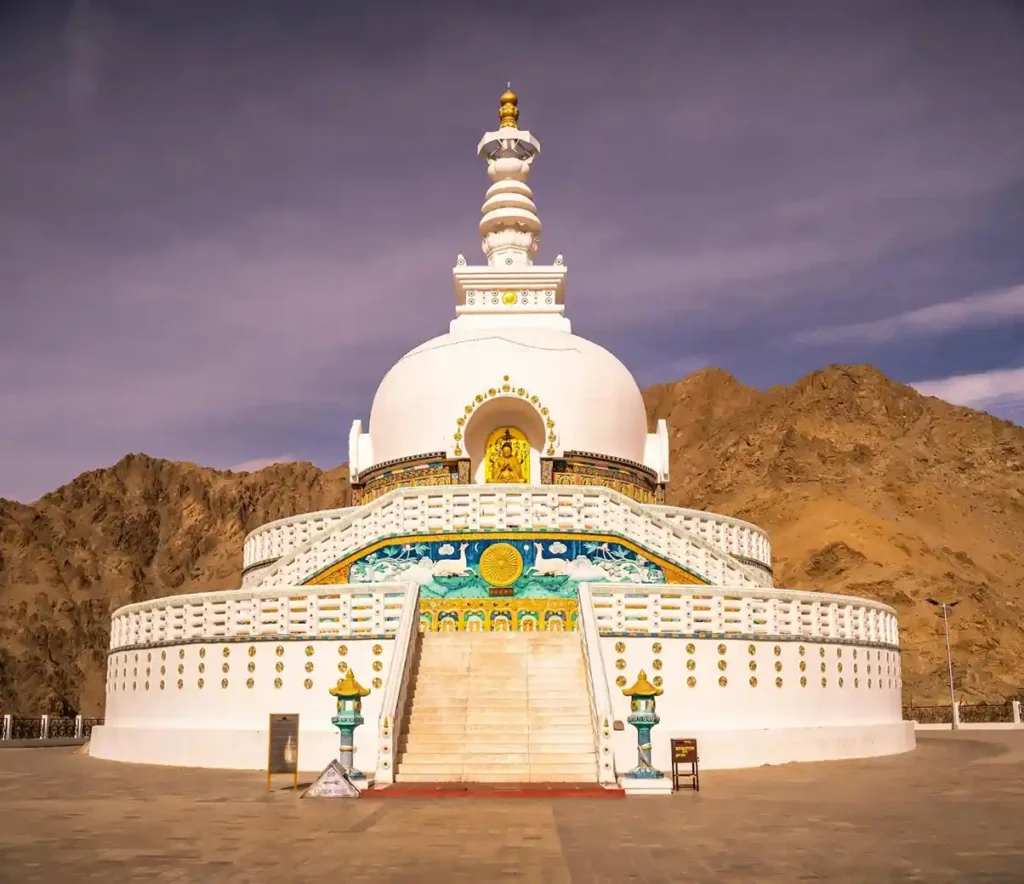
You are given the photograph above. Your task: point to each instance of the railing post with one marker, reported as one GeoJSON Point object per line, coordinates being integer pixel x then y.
{"type": "Point", "coordinates": [44, 730]}
{"type": "Point", "coordinates": [1016, 712]}
{"type": "Point", "coordinates": [5, 729]}
{"type": "Point", "coordinates": [78, 727]}
{"type": "Point", "coordinates": [956, 714]}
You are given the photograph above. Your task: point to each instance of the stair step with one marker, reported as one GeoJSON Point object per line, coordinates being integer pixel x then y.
{"type": "Point", "coordinates": [404, 776]}
{"type": "Point", "coordinates": [460, 777]}
{"type": "Point", "coordinates": [502, 702]}
{"type": "Point", "coordinates": [498, 707]}
{"type": "Point", "coordinates": [498, 743]}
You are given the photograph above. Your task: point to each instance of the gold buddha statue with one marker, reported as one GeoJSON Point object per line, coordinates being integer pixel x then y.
{"type": "Point", "coordinates": [505, 459]}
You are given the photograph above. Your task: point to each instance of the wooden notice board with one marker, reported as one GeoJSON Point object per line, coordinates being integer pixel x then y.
{"type": "Point", "coordinates": [283, 747]}
{"type": "Point", "coordinates": [684, 752]}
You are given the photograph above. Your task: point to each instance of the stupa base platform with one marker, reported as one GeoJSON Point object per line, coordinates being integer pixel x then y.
{"type": "Point", "coordinates": [646, 785]}
{"type": "Point", "coordinates": [495, 790]}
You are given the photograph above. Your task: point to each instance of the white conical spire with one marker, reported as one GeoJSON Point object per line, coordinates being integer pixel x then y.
{"type": "Point", "coordinates": [509, 288]}
{"type": "Point", "coordinates": [509, 226]}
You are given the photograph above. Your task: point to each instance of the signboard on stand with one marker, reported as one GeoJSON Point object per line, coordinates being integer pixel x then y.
{"type": "Point", "coordinates": [684, 752]}
{"type": "Point", "coordinates": [283, 748]}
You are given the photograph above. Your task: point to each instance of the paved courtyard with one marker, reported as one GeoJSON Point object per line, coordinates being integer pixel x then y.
{"type": "Point", "coordinates": [951, 811]}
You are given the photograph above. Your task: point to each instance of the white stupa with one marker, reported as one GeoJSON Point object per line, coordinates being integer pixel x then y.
{"type": "Point", "coordinates": [507, 568]}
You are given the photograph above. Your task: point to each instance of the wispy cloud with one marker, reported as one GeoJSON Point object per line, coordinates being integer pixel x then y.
{"type": "Point", "coordinates": [976, 311]}
{"type": "Point", "coordinates": [257, 464]}
{"type": "Point", "coordinates": [1000, 391]}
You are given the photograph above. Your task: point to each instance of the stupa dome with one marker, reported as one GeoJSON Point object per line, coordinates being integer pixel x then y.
{"type": "Point", "coordinates": [545, 382]}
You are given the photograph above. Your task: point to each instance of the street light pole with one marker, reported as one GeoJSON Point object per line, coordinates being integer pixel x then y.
{"type": "Point", "coordinates": [949, 656]}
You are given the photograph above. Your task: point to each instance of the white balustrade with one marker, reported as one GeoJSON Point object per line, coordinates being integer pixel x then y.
{"type": "Point", "coordinates": [273, 540]}
{"type": "Point", "coordinates": [313, 611]}
{"type": "Point", "coordinates": [396, 693]}
{"type": "Point", "coordinates": [600, 694]}
{"type": "Point", "coordinates": [409, 511]}
{"type": "Point", "coordinates": [739, 611]}
{"type": "Point", "coordinates": [730, 535]}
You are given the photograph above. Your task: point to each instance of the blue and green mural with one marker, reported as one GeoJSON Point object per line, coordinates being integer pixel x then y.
{"type": "Point", "coordinates": [529, 568]}
{"type": "Point", "coordinates": [521, 565]}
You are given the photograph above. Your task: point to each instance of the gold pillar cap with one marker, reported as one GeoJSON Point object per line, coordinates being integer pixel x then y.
{"type": "Point", "coordinates": [508, 113]}
{"type": "Point", "coordinates": [349, 687]}
{"type": "Point", "coordinates": [642, 688]}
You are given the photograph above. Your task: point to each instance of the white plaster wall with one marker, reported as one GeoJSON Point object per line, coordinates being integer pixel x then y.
{"type": "Point", "coordinates": [752, 747]}
{"type": "Point", "coordinates": [753, 721]}
{"type": "Point", "coordinates": [580, 383]}
{"type": "Point", "coordinates": [218, 726]}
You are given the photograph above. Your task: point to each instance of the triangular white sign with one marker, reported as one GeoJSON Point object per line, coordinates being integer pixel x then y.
{"type": "Point", "coordinates": [332, 783]}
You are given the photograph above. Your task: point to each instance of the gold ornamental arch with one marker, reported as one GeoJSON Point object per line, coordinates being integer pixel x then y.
{"type": "Point", "coordinates": [506, 389]}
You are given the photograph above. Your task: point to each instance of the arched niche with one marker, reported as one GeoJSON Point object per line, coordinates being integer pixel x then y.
{"type": "Point", "coordinates": [498, 413]}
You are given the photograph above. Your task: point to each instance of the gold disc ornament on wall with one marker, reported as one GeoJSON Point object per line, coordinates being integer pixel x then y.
{"type": "Point", "coordinates": [501, 564]}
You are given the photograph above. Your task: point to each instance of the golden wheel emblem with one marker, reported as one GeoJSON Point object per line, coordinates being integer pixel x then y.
{"type": "Point", "coordinates": [501, 564]}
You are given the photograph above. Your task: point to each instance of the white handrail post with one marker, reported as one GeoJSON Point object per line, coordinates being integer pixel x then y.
{"type": "Point", "coordinates": [5, 730]}
{"type": "Point", "coordinates": [44, 727]}
{"type": "Point", "coordinates": [78, 727]}
{"type": "Point", "coordinates": [601, 703]}
{"type": "Point", "coordinates": [396, 690]}
{"type": "Point", "coordinates": [1016, 712]}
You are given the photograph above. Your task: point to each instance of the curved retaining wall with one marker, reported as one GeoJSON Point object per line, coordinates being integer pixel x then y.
{"type": "Point", "coordinates": [759, 676]}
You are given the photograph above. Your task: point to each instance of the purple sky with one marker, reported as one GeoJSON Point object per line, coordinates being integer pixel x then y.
{"type": "Point", "coordinates": [221, 222]}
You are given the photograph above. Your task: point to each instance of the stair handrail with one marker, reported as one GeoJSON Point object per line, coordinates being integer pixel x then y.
{"type": "Point", "coordinates": [396, 692]}
{"type": "Point", "coordinates": [600, 695]}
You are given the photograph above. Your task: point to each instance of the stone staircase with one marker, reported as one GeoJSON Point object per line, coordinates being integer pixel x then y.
{"type": "Point", "coordinates": [499, 707]}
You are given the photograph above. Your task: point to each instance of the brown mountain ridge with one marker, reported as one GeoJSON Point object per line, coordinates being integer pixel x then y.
{"type": "Point", "coordinates": [865, 487]}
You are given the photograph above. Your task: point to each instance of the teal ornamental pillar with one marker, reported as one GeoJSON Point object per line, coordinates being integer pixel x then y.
{"type": "Point", "coordinates": [350, 704]}
{"type": "Point", "coordinates": [643, 717]}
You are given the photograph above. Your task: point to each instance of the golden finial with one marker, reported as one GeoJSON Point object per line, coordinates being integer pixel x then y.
{"type": "Point", "coordinates": [642, 688]}
{"type": "Point", "coordinates": [348, 687]}
{"type": "Point", "coordinates": [509, 111]}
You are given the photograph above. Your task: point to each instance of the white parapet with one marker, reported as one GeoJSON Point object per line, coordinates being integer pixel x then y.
{"type": "Point", "coordinates": [757, 675]}
{"type": "Point", "coordinates": [193, 679]}
{"type": "Point", "coordinates": [765, 677]}
{"type": "Point", "coordinates": [450, 509]}
{"type": "Point", "coordinates": [269, 542]}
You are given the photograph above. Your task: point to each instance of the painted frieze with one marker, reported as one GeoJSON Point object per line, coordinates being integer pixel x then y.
{"type": "Point", "coordinates": [522, 565]}
{"type": "Point", "coordinates": [632, 482]}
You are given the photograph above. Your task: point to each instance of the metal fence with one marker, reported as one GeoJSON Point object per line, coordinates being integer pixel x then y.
{"type": "Point", "coordinates": [1003, 712]}
{"type": "Point", "coordinates": [929, 714]}
{"type": "Point", "coordinates": [62, 728]}
{"type": "Point", "coordinates": [46, 727]}
{"type": "Point", "coordinates": [26, 728]}
{"type": "Point", "coordinates": [986, 713]}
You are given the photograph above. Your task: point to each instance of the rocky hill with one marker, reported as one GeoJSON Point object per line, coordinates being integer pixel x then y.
{"type": "Point", "coordinates": [866, 487]}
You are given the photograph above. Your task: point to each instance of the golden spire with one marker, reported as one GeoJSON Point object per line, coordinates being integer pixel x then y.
{"type": "Point", "coordinates": [642, 688]}
{"type": "Point", "coordinates": [348, 687]}
{"type": "Point", "coordinates": [509, 111]}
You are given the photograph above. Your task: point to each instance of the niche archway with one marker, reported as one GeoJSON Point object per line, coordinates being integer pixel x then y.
{"type": "Point", "coordinates": [499, 413]}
